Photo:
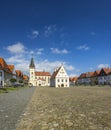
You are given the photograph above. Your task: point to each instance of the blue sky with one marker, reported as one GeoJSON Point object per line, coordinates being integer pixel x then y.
{"type": "Point", "coordinates": [76, 33]}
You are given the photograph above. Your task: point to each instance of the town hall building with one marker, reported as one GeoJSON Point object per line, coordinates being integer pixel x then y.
{"type": "Point", "coordinates": [60, 78]}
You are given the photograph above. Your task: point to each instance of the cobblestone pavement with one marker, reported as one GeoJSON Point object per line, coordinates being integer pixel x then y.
{"type": "Point", "coordinates": [87, 108]}
{"type": "Point", "coordinates": [12, 106]}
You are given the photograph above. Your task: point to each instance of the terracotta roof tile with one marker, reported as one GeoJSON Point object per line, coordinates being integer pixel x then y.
{"type": "Point", "coordinates": [4, 66]}
{"type": "Point", "coordinates": [83, 75]}
{"type": "Point", "coordinates": [3, 63]}
{"type": "Point", "coordinates": [42, 73]}
{"type": "Point", "coordinates": [25, 77]}
{"type": "Point", "coordinates": [73, 78]}
{"type": "Point", "coordinates": [11, 67]}
{"type": "Point", "coordinates": [107, 70]}
{"type": "Point", "coordinates": [89, 74]}
{"type": "Point", "coordinates": [96, 72]}
{"type": "Point", "coordinates": [19, 73]}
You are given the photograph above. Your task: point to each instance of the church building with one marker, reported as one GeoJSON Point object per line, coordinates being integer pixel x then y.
{"type": "Point", "coordinates": [38, 78]}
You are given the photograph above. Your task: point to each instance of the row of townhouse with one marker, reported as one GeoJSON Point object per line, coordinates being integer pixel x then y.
{"type": "Point", "coordinates": [97, 77]}
{"type": "Point", "coordinates": [8, 72]}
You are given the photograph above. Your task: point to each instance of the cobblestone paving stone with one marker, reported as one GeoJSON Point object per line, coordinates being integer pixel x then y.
{"type": "Point", "coordinates": [12, 106]}
{"type": "Point", "coordinates": [82, 108]}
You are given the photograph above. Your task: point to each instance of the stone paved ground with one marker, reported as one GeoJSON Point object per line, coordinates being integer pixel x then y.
{"type": "Point", "coordinates": [12, 106]}
{"type": "Point", "coordinates": [82, 108]}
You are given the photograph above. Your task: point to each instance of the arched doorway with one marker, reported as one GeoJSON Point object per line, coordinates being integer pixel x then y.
{"type": "Point", "coordinates": [62, 85]}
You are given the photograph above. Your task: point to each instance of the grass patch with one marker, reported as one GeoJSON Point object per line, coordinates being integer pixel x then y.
{"type": "Point", "coordinates": [8, 89]}
{"type": "Point", "coordinates": [11, 88]}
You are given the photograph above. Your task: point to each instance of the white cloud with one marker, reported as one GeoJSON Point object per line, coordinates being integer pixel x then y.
{"type": "Point", "coordinates": [73, 75]}
{"type": "Point", "coordinates": [50, 66]}
{"type": "Point", "coordinates": [16, 48]}
{"type": "Point", "coordinates": [34, 34]}
{"type": "Point", "coordinates": [103, 66]}
{"type": "Point", "coordinates": [40, 51]}
{"type": "Point", "coordinates": [49, 30]}
{"type": "Point", "coordinates": [16, 59]}
{"type": "Point", "coordinates": [91, 68]}
{"type": "Point", "coordinates": [57, 51]}
{"type": "Point", "coordinates": [83, 47]}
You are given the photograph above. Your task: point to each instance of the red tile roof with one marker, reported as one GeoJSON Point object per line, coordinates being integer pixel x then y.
{"type": "Point", "coordinates": [4, 66]}
{"type": "Point", "coordinates": [19, 73]}
{"type": "Point", "coordinates": [73, 78]}
{"type": "Point", "coordinates": [89, 74]}
{"type": "Point", "coordinates": [3, 63]}
{"type": "Point", "coordinates": [11, 67]}
{"type": "Point", "coordinates": [96, 73]}
{"type": "Point", "coordinates": [83, 75]}
{"type": "Point", "coordinates": [107, 70]}
{"type": "Point", "coordinates": [25, 77]}
{"type": "Point", "coordinates": [42, 73]}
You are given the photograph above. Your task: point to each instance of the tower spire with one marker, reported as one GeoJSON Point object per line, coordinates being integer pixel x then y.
{"type": "Point", "coordinates": [32, 65]}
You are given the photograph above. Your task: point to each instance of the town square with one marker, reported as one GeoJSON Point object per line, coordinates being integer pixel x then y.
{"type": "Point", "coordinates": [55, 65]}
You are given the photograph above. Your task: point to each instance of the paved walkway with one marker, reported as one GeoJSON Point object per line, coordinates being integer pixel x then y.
{"type": "Point", "coordinates": [85, 108]}
{"type": "Point", "coordinates": [12, 106]}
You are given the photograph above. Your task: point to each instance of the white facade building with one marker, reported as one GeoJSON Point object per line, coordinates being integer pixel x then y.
{"type": "Point", "coordinates": [60, 78]}
{"type": "Point", "coordinates": [38, 78]}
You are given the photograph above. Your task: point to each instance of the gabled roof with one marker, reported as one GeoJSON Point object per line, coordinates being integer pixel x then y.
{"type": "Point", "coordinates": [4, 66]}
{"type": "Point", "coordinates": [25, 77]}
{"type": "Point", "coordinates": [42, 73]}
{"type": "Point", "coordinates": [83, 75]}
{"type": "Point", "coordinates": [96, 72]}
{"type": "Point", "coordinates": [105, 70]}
{"type": "Point", "coordinates": [55, 72]}
{"type": "Point", "coordinates": [73, 78]}
{"type": "Point", "coordinates": [19, 73]}
{"type": "Point", "coordinates": [3, 63]}
{"type": "Point", "coordinates": [11, 67]}
{"type": "Point", "coordinates": [89, 74]}
{"type": "Point", "coordinates": [32, 65]}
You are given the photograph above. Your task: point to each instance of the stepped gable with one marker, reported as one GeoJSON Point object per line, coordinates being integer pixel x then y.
{"type": "Point", "coordinates": [42, 73]}
{"type": "Point", "coordinates": [32, 65]}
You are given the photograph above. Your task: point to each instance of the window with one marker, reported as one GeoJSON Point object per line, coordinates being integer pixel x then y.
{"type": "Point", "coordinates": [58, 80]}
{"type": "Point", "coordinates": [0, 73]}
{"type": "Point", "coordinates": [48, 80]}
{"type": "Point", "coordinates": [62, 80]}
{"type": "Point", "coordinates": [66, 80]}
{"type": "Point", "coordinates": [32, 73]}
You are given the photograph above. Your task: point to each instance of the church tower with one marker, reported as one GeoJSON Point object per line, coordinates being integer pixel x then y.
{"type": "Point", "coordinates": [32, 72]}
